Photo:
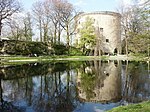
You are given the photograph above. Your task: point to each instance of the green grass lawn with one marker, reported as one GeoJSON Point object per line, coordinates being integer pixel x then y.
{"type": "Point", "coordinates": [52, 58]}
{"type": "Point", "coordinates": [10, 59]}
{"type": "Point", "coordinates": [141, 107]}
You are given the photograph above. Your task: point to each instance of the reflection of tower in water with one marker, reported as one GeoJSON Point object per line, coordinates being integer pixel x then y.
{"type": "Point", "coordinates": [107, 82]}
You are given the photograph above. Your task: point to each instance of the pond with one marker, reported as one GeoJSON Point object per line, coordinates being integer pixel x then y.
{"type": "Point", "coordinates": [73, 86]}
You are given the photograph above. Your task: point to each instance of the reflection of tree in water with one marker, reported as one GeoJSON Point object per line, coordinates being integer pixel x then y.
{"type": "Point", "coordinates": [41, 87]}
{"type": "Point", "coordinates": [51, 87]}
{"type": "Point", "coordinates": [87, 84]}
{"type": "Point", "coordinates": [55, 97]}
{"type": "Point", "coordinates": [136, 87]}
{"type": "Point", "coordinates": [6, 106]}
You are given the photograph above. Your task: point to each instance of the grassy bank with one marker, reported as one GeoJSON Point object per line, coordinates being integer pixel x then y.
{"type": "Point", "coordinates": [7, 60]}
{"type": "Point", "coordinates": [23, 59]}
{"type": "Point", "coordinates": [141, 107]}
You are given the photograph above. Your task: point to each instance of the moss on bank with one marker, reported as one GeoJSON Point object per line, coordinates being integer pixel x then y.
{"type": "Point", "coordinates": [141, 107]}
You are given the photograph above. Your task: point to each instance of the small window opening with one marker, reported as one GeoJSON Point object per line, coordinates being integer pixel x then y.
{"type": "Point", "coordinates": [107, 74]}
{"type": "Point", "coordinates": [115, 51]}
{"type": "Point", "coordinates": [101, 29]}
{"type": "Point", "coordinates": [107, 40]}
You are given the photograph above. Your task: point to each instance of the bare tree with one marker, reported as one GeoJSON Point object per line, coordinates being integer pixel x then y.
{"type": "Point", "coordinates": [45, 30]}
{"type": "Point", "coordinates": [53, 14]}
{"type": "Point", "coordinates": [28, 27]}
{"type": "Point", "coordinates": [38, 16]}
{"type": "Point", "coordinates": [125, 22]}
{"type": "Point", "coordinates": [51, 18]}
{"type": "Point", "coordinates": [57, 13]}
{"type": "Point", "coordinates": [67, 15]}
{"type": "Point", "coordinates": [42, 16]}
{"type": "Point", "coordinates": [7, 9]}
{"type": "Point", "coordinates": [135, 25]}
{"type": "Point", "coordinates": [16, 28]}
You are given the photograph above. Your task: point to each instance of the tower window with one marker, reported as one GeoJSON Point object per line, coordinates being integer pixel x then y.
{"type": "Point", "coordinates": [107, 40]}
{"type": "Point", "coordinates": [101, 29]}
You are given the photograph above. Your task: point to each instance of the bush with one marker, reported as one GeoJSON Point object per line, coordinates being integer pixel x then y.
{"type": "Point", "coordinates": [75, 52]}
{"type": "Point", "coordinates": [60, 49]}
{"type": "Point", "coordinates": [27, 48]}
{"type": "Point", "coordinates": [14, 47]}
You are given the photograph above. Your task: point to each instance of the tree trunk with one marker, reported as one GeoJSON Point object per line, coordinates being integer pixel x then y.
{"type": "Point", "coordinates": [126, 46]}
{"type": "Point", "coordinates": [0, 29]}
{"type": "Point", "coordinates": [59, 33]}
{"type": "Point", "coordinates": [41, 91]}
{"type": "Point", "coordinates": [68, 83]}
{"type": "Point", "coordinates": [1, 92]}
{"type": "Point", "coordinates": [95, 51]}
{"type": "Point", "coordinates": [67, 30]}
{"type": "Point", "coordinates": [55, 35]}
{"type": "Point", "coordinates": [45, 33]}
{"type": "Point", "coordinates": [25, 32]}
{"type": "Point", "coordinates": [40, 29]}
{"type": "Point", "coordinates": [126, 40]}
{"type": "Point", "coordinates": [99, 51]}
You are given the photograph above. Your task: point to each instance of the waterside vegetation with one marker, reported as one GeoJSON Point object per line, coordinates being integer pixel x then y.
{"type": "Point", "coordinates": [141, 107]}
{"type": "Point", "coordinates": [23, 59]}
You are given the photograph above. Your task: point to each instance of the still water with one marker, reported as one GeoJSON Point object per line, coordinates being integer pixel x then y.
{"type": "Point", "coordinates": [73, 86]}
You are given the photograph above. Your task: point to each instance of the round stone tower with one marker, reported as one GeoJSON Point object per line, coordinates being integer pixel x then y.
{"type": "Point", "coordinates": [109, 25]}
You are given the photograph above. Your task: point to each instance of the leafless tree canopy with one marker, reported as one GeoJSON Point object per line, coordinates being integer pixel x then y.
{"type": "Point", "coordinates": [135, 23]}
{"type": "Point", "coordinates": [53, 16]}
{"type": "Point", "coordinates": [7, 9]}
